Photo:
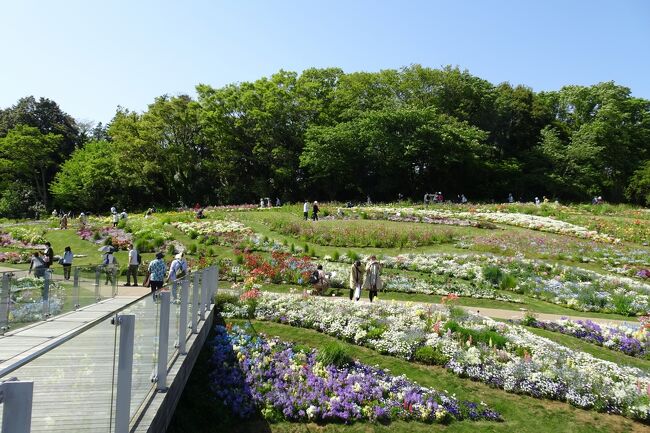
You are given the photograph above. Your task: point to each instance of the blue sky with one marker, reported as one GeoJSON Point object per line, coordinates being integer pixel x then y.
{"type": "Point", "coordinates": [91, 56]}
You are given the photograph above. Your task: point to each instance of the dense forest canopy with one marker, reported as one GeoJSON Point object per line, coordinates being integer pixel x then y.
{"type": "Point", "coordinates": [325, 134]}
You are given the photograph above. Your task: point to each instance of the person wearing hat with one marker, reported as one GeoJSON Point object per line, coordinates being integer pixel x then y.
{"type": "Point", "coordinates": [156, 273]}
{"type": "Point", "coordinates": [110, 265]}
{"type": "Point", "coordinates": [177, 270]}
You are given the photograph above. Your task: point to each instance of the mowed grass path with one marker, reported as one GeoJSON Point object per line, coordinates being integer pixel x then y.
{"type": "Point", "coordinates": [198, 411]}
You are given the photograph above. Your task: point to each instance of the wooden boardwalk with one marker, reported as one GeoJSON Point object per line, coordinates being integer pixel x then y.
{"type": "Point", "coordinates": [74, 382]}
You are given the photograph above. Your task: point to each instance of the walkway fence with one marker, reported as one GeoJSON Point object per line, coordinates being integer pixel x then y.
{"type": "Point", "coordinates": [101, 377]}
{"type": "Point", "coordinates": [26, 298]}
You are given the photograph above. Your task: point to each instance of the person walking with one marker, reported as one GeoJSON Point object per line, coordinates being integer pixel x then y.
{"type": "Point", "coordinates": [110, 266]}
{"type": "Point", "coordinates": [305, 210]}
{"type": "Point", "coordinates": [48, 255]}
{"type": "Point", "coordinates": [116, 219]}
{"type": "Point", "coordinates": [37, 264]}
{"type": "Point", "coordinates": [66, 261]}
{"type": "Point", "coordinates": [356, 280]}
{"type": "Point", "coordinates": [319, 280]}
{"type": "Point", "coordinates": [134, 264]}
{"type": "Point", "coordinates": [156, 273]}
{"type": "Point", "coordinates": [314, 211]}
{"type": "Point", "coordinates": [373, 282]}
{"type": "Point", "coordinates": [177, 270]}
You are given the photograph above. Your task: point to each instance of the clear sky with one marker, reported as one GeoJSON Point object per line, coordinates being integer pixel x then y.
{"type": "Point", "coordinates": [91, 56]}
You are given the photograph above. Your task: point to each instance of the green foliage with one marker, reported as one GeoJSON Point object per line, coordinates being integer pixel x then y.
{"type": "Point", "coordinates": [336, 256]}
{"type": "Point", "coordinates": [492, 274]}
{"type": "Point", "coordinates": [335, 354]}
{"type": "Point", "coordinates": [486, 336]}
{"type": "Point", "coordinates": [192, 248]}
{"type": "Point", "coordinates": [430, 355]}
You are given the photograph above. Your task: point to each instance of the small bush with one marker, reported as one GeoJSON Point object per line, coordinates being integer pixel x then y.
{"type": "Point", "coordinates": [430, 355]}
{"type": "Point", "coordinates": [192, 248]}
{"type": "Point", "coordinates": [158, 242]}
{"type": "Point", "coordinates": [508, 282]}
{"type": "Point", "coordinates": [334, 354]}
{"type": "Point", "coordinates": [193, 234]}
{"type": "Point", "coordinates": [336, 256]}
{"type": "Point", "coordinates": [171, 250]}
{"type": "Point", "coordinates": [352, 255]}
{"type": "Point", "coordinates": [292, 248]}
{"type": "Point", "coordinates": [492, 274]}
{"type": "Point", "coordinates": [239, 259]}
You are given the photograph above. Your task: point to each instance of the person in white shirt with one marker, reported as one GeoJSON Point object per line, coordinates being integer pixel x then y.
{"type": "Point", "coordinates": [116, 219]}
{"type": "Point", "coordinates": [134, 263]}
{"type": "Point", "coordinates": [305, 210]}
{"type": "Point", "coordinates": [123, 215]}
{"type": "Point", "coordinates": [177, 270]}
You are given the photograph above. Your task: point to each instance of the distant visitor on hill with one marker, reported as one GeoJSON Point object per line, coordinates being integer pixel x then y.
{"type": "Point", "coordinates": [314, 211]}
{"type": "Point", "coordinates": [305, 210]}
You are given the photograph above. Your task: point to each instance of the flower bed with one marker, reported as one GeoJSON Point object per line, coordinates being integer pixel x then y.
{"type": "Point", "coordinates": [502, 355]}
{"type": "Point", "coordinates": [22, 237]}
{"type": "Point", "coordinates": [633, 342]}
{"type": "Point", "coordinates": [285, 383]}
{"type": "Point", "coordinates": [528, 221]}
{"type": "Point", "coordinates": [572, 287]}
{"type": "Point", "coordinates": [229, 233]}
{"type": "Point", "coordinates": [14, 257]}
{"type": "Point", "coordinates": [118, 237]}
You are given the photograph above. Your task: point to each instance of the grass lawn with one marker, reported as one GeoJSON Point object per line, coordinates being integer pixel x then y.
{"type": "Point", "coordinates": [199, 412]}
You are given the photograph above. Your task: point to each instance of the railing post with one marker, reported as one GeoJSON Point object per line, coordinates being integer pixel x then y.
{"type": "Point", "coordinates": [75, 288]}
{"type": "Point", "coordinates": [124, 373]}
{"type": "Point", "coordinates": [195, 302]}
{"type": "Point", "coordinates": [114, 281]}
{"type": "Point", "coordinates": [182, 322]}
{"type": "Point", "coordinates": [163, 341]}
{"type": "Point", "coordinates": [98, 271]}
{"type": "Point", "coordinates": [46, 295]}
{"type": "Point", "coordinates": [216, 281]}
{"type": "Point", "coordinates": [204, 293]}
{"type": "Point", "coordinates": [17, 398]}
{"type": "Point", "coordinates": [5, 299]}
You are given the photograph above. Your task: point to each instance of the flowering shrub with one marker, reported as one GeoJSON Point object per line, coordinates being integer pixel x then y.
{"type": "Point", "coordinates": [282, 267]}
{"type": "Point", "coordinates": [118, 237]}
{"type": "Point", "coordinates": [22, 237]}
{"type": "Point", "coordinates": [620, 338]}
{"type": "Point", "coordinates": [14, 257]}
{"type": "Point", "coordinates": [284, 383]}
{"type": "Point", "coordinates": [527, 363]}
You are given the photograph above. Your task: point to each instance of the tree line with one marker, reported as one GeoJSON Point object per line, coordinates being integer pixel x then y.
{"type": "Point", "coordinates": [325, 134]}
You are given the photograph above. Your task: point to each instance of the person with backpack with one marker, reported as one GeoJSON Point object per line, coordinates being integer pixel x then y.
{"type": "Point", "coordinates": [110, 265]}
{"type": "Point", "coordinates": [356, 280]}
{"type": "Point", "coordinates": [66, 261]}
{"type": "Point", "coordinates": [134, 264]}
{"type": "Point", "coordinates": [177, 270]}
{"type": "Point", "coordinates": [373, 282]}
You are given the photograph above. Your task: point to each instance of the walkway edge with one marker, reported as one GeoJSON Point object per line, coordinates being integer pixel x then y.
{"type": "Point", "coordinates": [159, 411]}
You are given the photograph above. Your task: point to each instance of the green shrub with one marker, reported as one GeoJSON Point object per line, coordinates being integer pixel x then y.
{"type": "Point", "coordinates": [353, 255]}
{"type": "Point", "coordinates": [492, 274]}
{"type": "Point", "coordinates": [334, 354]}
{"type": "Point", "coordinates": [192, 248]}
{"type": "Point", "coordinates": [430, 355]}
{"type": "Point", "coordinates": [239, 259]}
{"type": "Point", "coordinates": [305, 249]}
{"type": "Point", "coordinates": [486, 336]}
{"type": "Point", "coordinates": [170, 249]}
{"type": "Point", "coordinates": [336, 256]}
{"type": "Point", "coordinates": [158, 242]}
{"type": "Point", "coordinates": [292, 248]}
{"type": "Point", "coordinates": [508, 282]}
{"type": "Point", "coordinates": [529, 319]}
{"type": "Point", "coordinates": [211, 252]}
{"type": "Point", "coordinates": [457, 313]}
{"type": "Point", "coordinates": [193, 234]}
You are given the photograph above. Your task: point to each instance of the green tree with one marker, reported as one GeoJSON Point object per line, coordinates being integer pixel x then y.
{"type": "Point", "coordinates": [26, 154]}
